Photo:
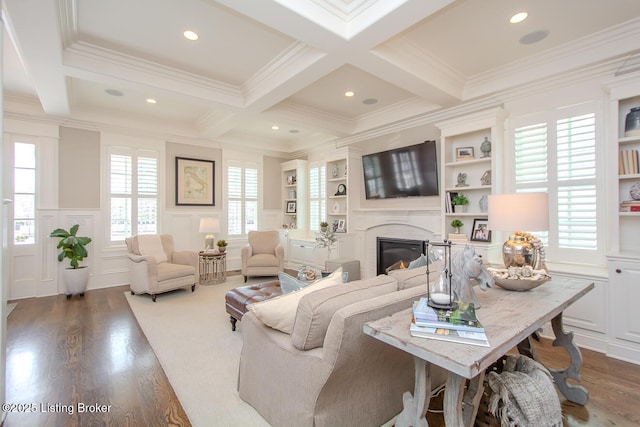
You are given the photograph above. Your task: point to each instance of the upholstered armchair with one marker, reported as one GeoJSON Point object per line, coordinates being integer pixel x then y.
{"type": "Point", "coordinates": [154, 266]}
{"type": "Point", "coordinates": [263, 255]}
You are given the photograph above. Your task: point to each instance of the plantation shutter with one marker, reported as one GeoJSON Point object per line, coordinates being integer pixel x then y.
{"type": "Point", "coordinates": [234, 202]}
{"type": "Point", "coordinates": [317, 195]}
{"type": "Point", "coordinates": [242, 198]}
{"type": "Point", "coordinates": [576, 159]}
{"type": "Point", "coordinates": [133, 179]}
{"type": "Point", "coordinates": [557, 154]}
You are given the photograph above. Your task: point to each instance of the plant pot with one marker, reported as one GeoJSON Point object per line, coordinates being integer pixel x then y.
{"type": "Point", "coordinates": [222, 249]}
{"type": "Point", "coordinates": [76, 280]}
{"type": "Point", "coordinates": [461, 208]}
{"type": "Point", "coordinates": [324, 229]}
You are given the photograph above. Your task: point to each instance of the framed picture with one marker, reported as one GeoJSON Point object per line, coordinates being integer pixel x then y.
{"type": "Point", "coordinates": [342, 226]}
{"type": "Point", "coordinates": [195, 182]}
{"type": "Point", "coordinates": [481, 232]}
{"type": "Point", "coordinates": [464, 153]}
{"type": "Point", "coordinates": [291, 207]}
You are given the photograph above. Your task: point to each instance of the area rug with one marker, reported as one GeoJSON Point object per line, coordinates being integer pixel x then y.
{"type": "Point", "coordinates": [192, 338]}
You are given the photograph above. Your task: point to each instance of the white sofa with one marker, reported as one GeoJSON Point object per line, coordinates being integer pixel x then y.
{"type": "Point", "coordinates": [327, 372]}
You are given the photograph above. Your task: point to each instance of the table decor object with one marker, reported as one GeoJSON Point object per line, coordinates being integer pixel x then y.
{"type": "Point", "coordinates": [528, 211]}
{"type": "Point", "coordinates": [439, 291]}
{"type": "Point", "coordinates": [209, 226]}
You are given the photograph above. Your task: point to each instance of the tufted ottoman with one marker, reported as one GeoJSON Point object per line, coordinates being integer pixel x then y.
{"type": "Point", "coordinates": [237, 299]}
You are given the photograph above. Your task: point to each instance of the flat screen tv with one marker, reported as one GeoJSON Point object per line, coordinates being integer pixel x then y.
{"type": "Point", "coordinates": [401, 172]}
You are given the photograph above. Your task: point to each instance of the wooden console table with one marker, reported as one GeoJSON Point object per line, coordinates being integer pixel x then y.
{"type": "Point", "coordinates": [213, 267]}
{"type": "Point", "coordinates": [509, 318]}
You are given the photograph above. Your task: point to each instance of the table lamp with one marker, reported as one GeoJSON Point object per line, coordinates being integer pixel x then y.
{"type": "Point", "coordinates": [209, 226]}
{"type": "Point", "coordinates": [521, 211]}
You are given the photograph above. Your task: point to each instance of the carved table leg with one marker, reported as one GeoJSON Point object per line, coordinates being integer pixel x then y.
{"type": "Point", "coordinates": [471, 399]}
{"type": "Point", "coordinates": [415, 407]}
{"type": "Point", "coordinates": [453, 392]}
{"type": "Point", "coordinates": [575, 393]}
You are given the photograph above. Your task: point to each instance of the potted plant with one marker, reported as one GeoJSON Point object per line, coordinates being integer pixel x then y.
{"type": "Point", "coordinates": [222, 245]}
{"type": "Point", "coordinates": [457, 224]}
{"type": "Point", "coordinates": [461, 202]}
{"type": "Point", "coordinates": [73, 247]}
{"type": "Point", "coordinates": [326, 239]}
{"type": "Point", "coordinates": [324, 226]}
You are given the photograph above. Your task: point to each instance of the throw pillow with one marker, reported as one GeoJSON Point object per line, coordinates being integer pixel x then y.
{"type": "Point", "coordinates": [421, 261]}
{"type": "Point", "coordinates": [280, 312]}
{"type": "Point", "coordinates": [316, 309]}
{"type": "Point", "coordinates": [289, 283]}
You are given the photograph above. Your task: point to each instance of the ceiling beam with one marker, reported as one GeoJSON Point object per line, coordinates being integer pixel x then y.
{"type": "Point", "coordinates": [36, 36]}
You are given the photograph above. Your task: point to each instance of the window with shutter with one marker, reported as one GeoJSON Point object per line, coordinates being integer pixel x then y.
{"type": "Point", "coordinates": [242, 197]}
{"type": "Point", "coordinates": [558, 155]}
{"type": "Point", "coordinates": [317, 196]}
{"type": "Point", "coordinates": [133, 189]}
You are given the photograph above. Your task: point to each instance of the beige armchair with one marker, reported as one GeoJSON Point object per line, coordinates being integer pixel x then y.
{"type": "Point", "coordinates": [263, 256]}
{"type": "Point", "coordinates": [154, 266]}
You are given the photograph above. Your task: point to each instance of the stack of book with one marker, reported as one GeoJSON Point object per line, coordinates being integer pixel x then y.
{"type": "Point", "coordinates": [628, 162]}
{"type": "Point", "coordinates": [630, 206]}
{"type": "Point", "coordinates": [458, 238]}
{"type": "Point", "coordinates": [460, 325]}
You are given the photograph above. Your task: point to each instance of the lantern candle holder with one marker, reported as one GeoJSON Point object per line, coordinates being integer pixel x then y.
{"type": "Point", "coordinates": [440, 292]}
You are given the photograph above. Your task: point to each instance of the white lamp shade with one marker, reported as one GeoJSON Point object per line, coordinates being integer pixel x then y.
{"type": "Point", "coordinates": [518, 212]}
{"type": "Point", "coordinates": [209, 225]}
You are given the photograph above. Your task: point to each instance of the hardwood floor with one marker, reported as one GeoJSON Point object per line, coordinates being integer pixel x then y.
{"type": "Point", "coordinates": [85, 350]}
{"type": "Point", "coordinates": [90, 349]}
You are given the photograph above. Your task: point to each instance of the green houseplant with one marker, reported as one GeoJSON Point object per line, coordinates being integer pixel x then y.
{"type": "Point", "coordinates": [222, 245]}
{"type": "Point", "coordinates": [327, 239]}
{"type": "Point", "coordinates": [460, 202]}
{"type": "Point", "coordinates": [457, 224]}
{"type": "Point", "coordinates": [74, 248]}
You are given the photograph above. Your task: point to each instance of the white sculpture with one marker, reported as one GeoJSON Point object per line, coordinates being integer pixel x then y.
{"type": "Point", "coordinates": [467, 269]}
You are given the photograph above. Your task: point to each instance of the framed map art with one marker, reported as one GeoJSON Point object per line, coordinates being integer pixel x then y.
{"type": "Point", "coordinates": [195, 182]}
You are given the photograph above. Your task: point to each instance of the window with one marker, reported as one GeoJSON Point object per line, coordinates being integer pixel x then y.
{"type": "Point", "coordinates": [317, 196]}
{"type": "Point", "coordinates": [24, 193]}
{"type": "Point", "coordinates": [133, 192]}
{"type": "Point", "coordinates": [557, 154]}
{"type": "Point", "coordinates": [242, 198]}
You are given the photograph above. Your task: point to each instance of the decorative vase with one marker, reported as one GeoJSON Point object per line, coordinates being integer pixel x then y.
{"type": "Point", "coordinates": [484, 204]}
{"type": "Point", "coordinates": [632, 122]}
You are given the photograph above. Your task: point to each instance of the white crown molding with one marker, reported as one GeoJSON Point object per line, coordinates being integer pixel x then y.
{"type": "Point", "coordinates": [290, 62]}
{"type": "Point", "coordinates": [68, 10]}
{"type": "Point", "coordinates": [309, 116]}
{"type": "Point", "coordinates": [616, 41]}
{"type": "Point", "coordinates": [83, 57]}
{"type": "Point", "coordinates": [394, 113]}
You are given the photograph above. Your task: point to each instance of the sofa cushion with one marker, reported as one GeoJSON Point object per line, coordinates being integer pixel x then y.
{"type": "Point", "coordinates": [151, 245]}
{"type": "Point", "coordinates": [316, 309]}
{"type": "Point", "coordinates": [411, 277]}
{"type": "Point", "coordinates": [280, 312]}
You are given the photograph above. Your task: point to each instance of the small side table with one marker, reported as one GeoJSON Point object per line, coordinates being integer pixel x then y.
{"type": "Point", "coordinates": [213, 267]}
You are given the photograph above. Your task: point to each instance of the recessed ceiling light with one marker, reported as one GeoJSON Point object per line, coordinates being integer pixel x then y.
{"type": "Point", "coordinates": [275, 127]}
{"type": "Point", "coordinates": [114, 92]}
{"type": "Point", "coordinates": [518, 17]}
{"type": "Point", "coordinates": [349, 94]}
{"type": "Point", "coordinates": [190, 35]}
{"type": "Point", "coordinates": [534, 37]}
{"type": "Point", "coordinates": [370, 101]}
{"type": "Point", "coordinates": [151, 101]}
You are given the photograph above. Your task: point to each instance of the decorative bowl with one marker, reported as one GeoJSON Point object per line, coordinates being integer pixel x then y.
{"type": "Point", "coordinates": [520, 284]}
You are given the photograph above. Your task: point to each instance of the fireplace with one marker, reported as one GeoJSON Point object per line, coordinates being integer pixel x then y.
{"type": "Point", "coordinates": [390, 251]}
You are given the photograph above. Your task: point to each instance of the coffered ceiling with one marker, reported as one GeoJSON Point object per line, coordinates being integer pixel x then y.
{"type": "Point", "coordinates": [288, 63]}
